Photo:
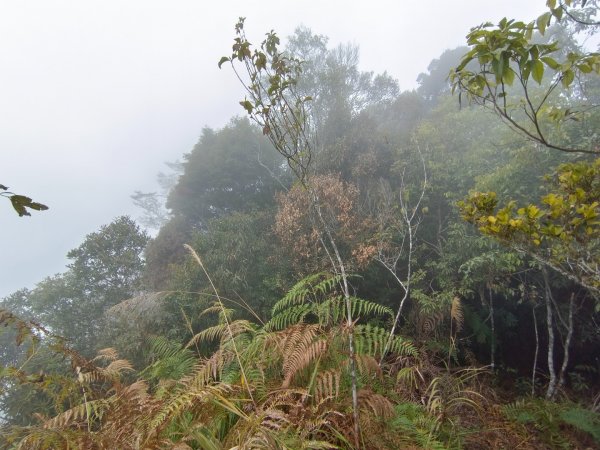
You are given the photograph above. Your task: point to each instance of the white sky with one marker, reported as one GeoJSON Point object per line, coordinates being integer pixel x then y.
{"type": "Point", "coordinates": [96, 95]}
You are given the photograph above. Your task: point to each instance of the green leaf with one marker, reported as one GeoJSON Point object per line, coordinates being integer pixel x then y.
{"type": "Point", "coordinates": [20, 204]}
{"type": "Point", "coordinates": [509, 77]}
{"type": "Point", "coordinates": [543, 21]}
{"type": "Point", "coordinates": [537, 71]}
{"type": "Point", "coordinates": [247, 105]}
{"type": "Point", "coordinates": [558, 13]}
{"type": "Point", "coordinates": [37, 206]}
{"type": "Point", "coordinates": [261, 61]}
{"type": "Point", "coordinates": [223, 60]}
{"type": "Point", "coordinates": [567, 78]}
{"type": "Point", "coordinates": [551, 62]}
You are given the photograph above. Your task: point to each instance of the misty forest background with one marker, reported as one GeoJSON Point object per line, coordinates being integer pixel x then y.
{"type": "Point", "coordinates": [344, 265]}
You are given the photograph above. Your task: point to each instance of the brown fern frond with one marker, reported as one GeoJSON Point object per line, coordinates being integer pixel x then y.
{"type": "Point", "coordinates": [297, 335]}
{"type": "Point", "coordinates": [109, 373]}
{"type": "Point", "coordinates": [428, 323]}
{"type": "Point", "coordinates": [327, 385]}
{"type": "Point", "coordinates": [106, 354]}
{"type": "Point", "coordinates": [457, 314]}
{"type": "Point", "coordinates": [284, 397]}
{"type": "Point", "coordinates": [377, 404]}
{"type": "Point", "coordinates": [73, 416]}
{"type": "Point", "coordinates": [117, 367]}
{"type": "Point", "coordinates": [206, 370]}
{"type": "Point", "coordinates": [300, 358]}
{"type": "Point", "coordinates": [369, 366]}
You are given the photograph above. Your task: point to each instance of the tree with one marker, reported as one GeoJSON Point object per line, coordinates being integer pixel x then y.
{"type": "Point", "coordinates": [339, 91]}
{"type": "Point", "coordinates": [155, 213]}
{"type": "Point", "coordinates": [105, 270]}
{"type": "Point", "coordinates": [107, 266]}
{"type": "Point", "coordinates": [229, 170]}
{"type": "Point", "coordinates": [435, 83]}
{"type": "Point", "coordinates": [562, 232]}
{"type": "Point", "coordinates": [281, 111]}
{"type": "Point", "coordinates": [510, 62]}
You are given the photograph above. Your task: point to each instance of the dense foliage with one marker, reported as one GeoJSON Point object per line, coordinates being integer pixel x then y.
{"type": "Point", "coordinates": [317, 281]}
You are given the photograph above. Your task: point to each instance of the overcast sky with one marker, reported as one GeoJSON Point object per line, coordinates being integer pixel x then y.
{"type": "Point", "coordinates": [96, 95]}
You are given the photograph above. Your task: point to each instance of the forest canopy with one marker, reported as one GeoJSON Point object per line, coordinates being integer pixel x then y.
{"type": "Point", "coordinates": [344, 265]}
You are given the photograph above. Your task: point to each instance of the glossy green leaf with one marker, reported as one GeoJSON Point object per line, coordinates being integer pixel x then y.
{"type": "Point", "coordinates": [537, 71]}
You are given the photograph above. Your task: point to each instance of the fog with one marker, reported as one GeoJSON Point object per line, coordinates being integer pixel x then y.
{"type": "Point", "coordinates": [96, 96]}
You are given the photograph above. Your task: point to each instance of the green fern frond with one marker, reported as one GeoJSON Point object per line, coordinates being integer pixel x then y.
{"type": "Point", "coordinates": [584, 420]}
{"type": "Point", "coordinates": [288, 316]}
{"type": "Point", "coordinates": [371, 340]}
{"type": "Point", "coordinates": [171, 361]}
{"type": "Point", "coordinates": [308, 289]}
{"type": "Point", "coordinates": [361, 308]}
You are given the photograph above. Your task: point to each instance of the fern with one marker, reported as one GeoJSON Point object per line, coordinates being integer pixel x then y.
{"type": "Point", "coordinates": [550, 418]}
{"type": "Point", "coordinates": [416, 426]}
{"type": "Point", "coordinates": [584, 420]}
{"type": "Point", "coordinates": [289, 316]}
{"type": "Point", "coordinates": [457, 315]}
{"type": "Point", "coordinates": [327, 385]}
{"type": "Point", "coordinates": [171, 361]}
{"type": "Point", "coordinates": [371, 340]}
{"type": "Point", "coordinates": [333, 310]}
{"type": "Point", "coordinates": [377, 404]}
{"type": "Point", "coordinates": [308, 289]}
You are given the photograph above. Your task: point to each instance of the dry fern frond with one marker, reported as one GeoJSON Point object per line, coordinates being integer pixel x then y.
{"type": "Point", "coordinates": [301, 358]}
{"type": "Point", "coordinates": [369, 366]}
{"type": "Point", "coordinates": [428, 323]}
{"type": "Point", "coordinates": [327, 385]}
{"type": "Point", "coordinates": [90, 410]}
{"type": "Point", "coordinates": [222, 332]}
{"type": "Point", "coordinates": [106, 354]}
{"type": "Point", "coordinates": [457, 314]}
{"type": "Point", "coordinates": [375, 403]}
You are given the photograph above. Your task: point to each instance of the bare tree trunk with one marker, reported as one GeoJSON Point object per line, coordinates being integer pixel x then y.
{"type": "Point", "coordinates": [350, 322]}
{"type": "Point", "coordinates": [493, 329]}
{"type": "Point", "coordinates": [551, 391]}
{"type": "Point", "coordinates": [537, 348]}
{"type": "Point", "coordinates": [565, 363]}
{"type": "Point", "coordinates": [405, 286]}
{"type": "Point", "coordinates": [411, 221]}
